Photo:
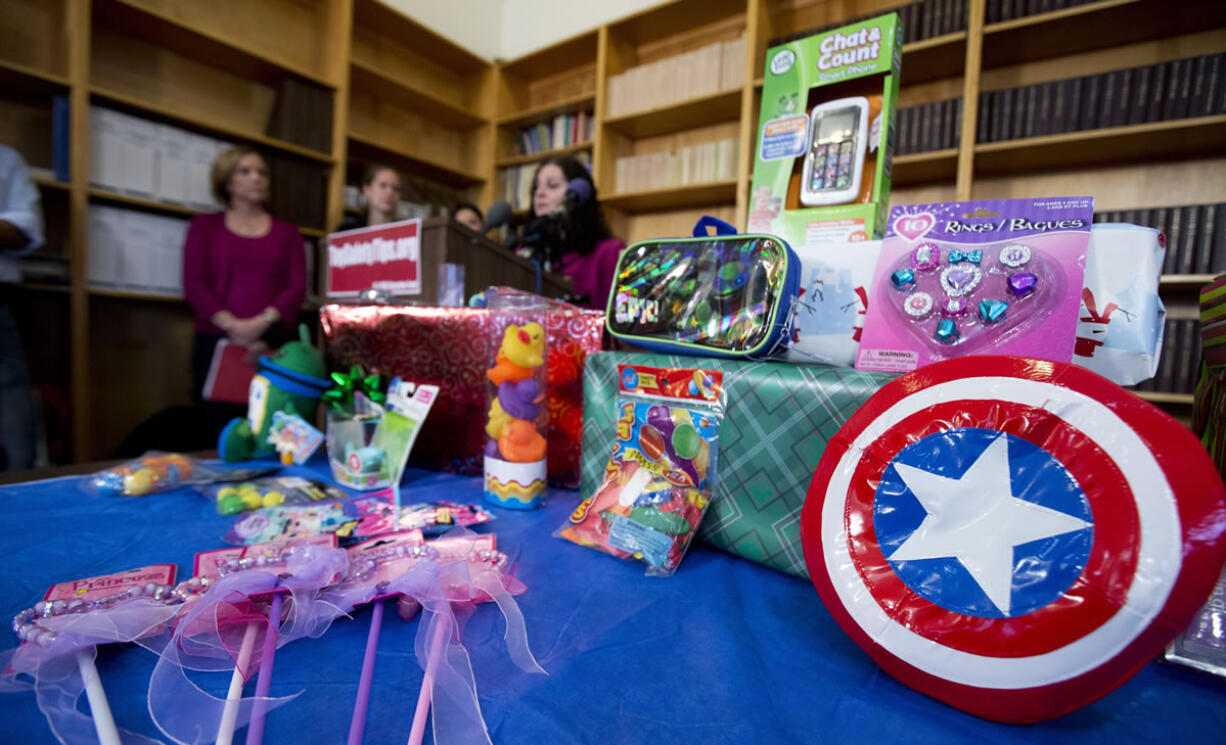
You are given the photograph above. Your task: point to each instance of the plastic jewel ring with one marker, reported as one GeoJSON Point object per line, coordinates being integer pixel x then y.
{"type": "Point", "coordinates": [960, 280]}
{"type": "Point", "coordinates": [917, 304]}
{"type": "Point", "coordinates": [954, 306]}
{"type": "Point", "coordinates": [926, 256]}
{"type": "Point", "coordinates": [1015, 255]}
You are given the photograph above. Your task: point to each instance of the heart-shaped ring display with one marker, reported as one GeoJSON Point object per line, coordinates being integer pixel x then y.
{"type": "Point", "coordinates": [949, 300]}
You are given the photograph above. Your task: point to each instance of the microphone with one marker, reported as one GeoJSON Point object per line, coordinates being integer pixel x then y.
{"type": "Point", "coordinates": [496, 216]}
{"type": "Point", "coordinates": [578, 191]}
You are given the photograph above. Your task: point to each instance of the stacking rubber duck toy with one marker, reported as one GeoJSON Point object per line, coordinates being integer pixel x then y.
{"type": "Point", "coordinates": [515, 453]}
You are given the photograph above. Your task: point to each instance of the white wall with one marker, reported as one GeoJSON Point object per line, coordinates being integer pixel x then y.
{"type": "Point", "coordinates": [528, 25]}
{"type": "Point", "coordinates": [506, 29]}
{"type": "Point", "coordinates": [475, 25]}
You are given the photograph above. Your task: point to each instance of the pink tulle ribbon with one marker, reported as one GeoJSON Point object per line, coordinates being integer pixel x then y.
{"type": "Point", "coordinates": [208, 633]}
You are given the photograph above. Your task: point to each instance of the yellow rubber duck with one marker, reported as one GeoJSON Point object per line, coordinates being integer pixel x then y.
{"type": "Point", "coordinates": [498, 422]}
{"type": "Point", "coordinates": [524, 345]}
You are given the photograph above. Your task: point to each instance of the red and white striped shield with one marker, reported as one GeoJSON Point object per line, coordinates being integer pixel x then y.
{"type": "Point", "coordinates": [1013, 537]}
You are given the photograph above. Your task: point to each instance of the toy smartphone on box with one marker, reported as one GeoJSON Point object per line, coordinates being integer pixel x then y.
{"type": "Point", "coordinates": [834, 161]}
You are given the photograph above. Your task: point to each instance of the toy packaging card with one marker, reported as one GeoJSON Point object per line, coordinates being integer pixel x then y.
{"type": "Point", "coordinates": [293, 437]}
{"type": "Point", "coordinates": [993, 277]}
{"type": "Point", "coordinates": [826, 135]}
{"type": "Point", "coordinates": [662, 472]}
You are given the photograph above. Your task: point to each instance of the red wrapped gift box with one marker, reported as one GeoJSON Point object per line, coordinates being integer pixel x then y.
{"type": "Point", "coordinates": [452, 348]}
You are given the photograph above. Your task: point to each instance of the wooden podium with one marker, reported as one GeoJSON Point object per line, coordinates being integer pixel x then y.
{"type": "Point", "coordinates": [485, 263]}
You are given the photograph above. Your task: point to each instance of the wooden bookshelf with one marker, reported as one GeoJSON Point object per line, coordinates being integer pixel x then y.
{"type": "Point", "coordinates": [1099, 25]}
{"type": "Point", "coordinates": [545, 112]}
{"type": "Point", "coordinates": [263, 37]}
{"type": "Point", "coordinates": [210, 125]}
{"type": "Point", "coordinates": [673, 197]}
{"type": "Point", "coordinates": [519, 160]}
{"type": "Point", "coordinates": [935, 165]}
{"type": "Point", "coordinates": [396, 92]}
{"type": "Point", "coordinates": [1159, 397]}
{"type": "Point", "coordinates": [1165, 140]}
{"type": "Point", "coordinates": [16, 78]}
{"type": "Point", "coordinates": [380, 147]}
{"type": "Point", "coordinates": [380, 85]}
{"type": "Point", "coordinates": [680, 116]}
{"type": "Point", "coordinates": [132, 295]}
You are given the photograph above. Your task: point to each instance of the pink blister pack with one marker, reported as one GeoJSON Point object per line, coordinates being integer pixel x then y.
{"type": "Point", "coordinates": [992, 277]}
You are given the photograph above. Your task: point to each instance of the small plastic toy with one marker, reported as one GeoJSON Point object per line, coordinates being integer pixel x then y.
{"type": "Point", "coordinates": [290, 381]}
{"type": "Point", "coordinates": [515, 464]}
{"type": "Point", "coordinates": [267, 492]}
{"type": "Point", "coordinates": [152, 472]}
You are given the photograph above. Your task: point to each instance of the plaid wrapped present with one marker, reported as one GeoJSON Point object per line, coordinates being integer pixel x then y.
{"type": "Point", "coordinates": [778, 420]}
{"type": "Point", "coordinates": [452, 348]}
{"type": "Point", "coordinates": [1209, 409]}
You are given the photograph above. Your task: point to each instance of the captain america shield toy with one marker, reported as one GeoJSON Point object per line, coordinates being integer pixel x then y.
{"type": "Point", "coordinates": [1013, 537]}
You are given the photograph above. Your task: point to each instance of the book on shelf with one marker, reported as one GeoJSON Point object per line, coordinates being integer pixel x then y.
{"type": "Point", "coordinates": [134, 251]}
{"type": "Point", "coordinates": [929, 126]}
{"type": "Point", "coordinates": [302, 115]}
{"type": "Point", "coordinates": [919, 21]}
{"type": "Point", "coordinates": [142, 158]}
{"type": "Point", "coordinates": [59, 138]}
{"type": "Point", "coordinates": [696, 164]}
{"type": "Point", "coordinates": [563, 130]}
{"type": "Point", "coordinates": [713, 68]}
{"type": "Point", "coordinates": [1178, 89]}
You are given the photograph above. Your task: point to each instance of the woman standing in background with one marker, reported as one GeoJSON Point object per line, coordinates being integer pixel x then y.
{"type": "Point", "coordinates": [244, 271]}
{"type": "Point", "coordinates": [381, 189]}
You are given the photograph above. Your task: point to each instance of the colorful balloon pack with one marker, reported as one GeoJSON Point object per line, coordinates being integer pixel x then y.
{"type": "Point", "coordinates": [661, 475]}
{"type": "Point", "coordinates": [994, 277]}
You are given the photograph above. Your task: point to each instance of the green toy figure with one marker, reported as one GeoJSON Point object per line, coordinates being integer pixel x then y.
{"type": "Point", "coordinates": [292, 380]}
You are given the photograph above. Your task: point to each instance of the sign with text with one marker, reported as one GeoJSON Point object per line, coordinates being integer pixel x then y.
{"type": "Point", "coordinates": [384, 257]}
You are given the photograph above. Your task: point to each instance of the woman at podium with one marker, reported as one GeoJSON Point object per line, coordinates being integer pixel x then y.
{"type": "Point", "coordinates": [568, 227]}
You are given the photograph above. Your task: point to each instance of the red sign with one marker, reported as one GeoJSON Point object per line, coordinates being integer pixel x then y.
{"type": "Point", "coordinates": [385, 257]}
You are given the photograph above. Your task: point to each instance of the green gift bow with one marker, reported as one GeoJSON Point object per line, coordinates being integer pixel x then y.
{"type": "Point", "coordinates": [340, 395]}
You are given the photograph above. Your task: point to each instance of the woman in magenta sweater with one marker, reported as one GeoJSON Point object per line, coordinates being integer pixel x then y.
{"type": "Point", "coordinates": [244, 271]}
{"type": "Point", "coordinates": [588, 254]}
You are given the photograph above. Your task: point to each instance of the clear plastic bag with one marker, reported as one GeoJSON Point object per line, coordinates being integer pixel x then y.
{"type": "Point", "coordinates": [662, 472]}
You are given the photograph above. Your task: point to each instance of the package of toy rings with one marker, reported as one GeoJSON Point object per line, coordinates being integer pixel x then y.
{"type": "Point", "coordinates": [662, 472]}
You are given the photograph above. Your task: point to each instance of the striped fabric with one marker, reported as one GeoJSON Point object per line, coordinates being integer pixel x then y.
{"type": "Point", "coordinates": [1209, 409]}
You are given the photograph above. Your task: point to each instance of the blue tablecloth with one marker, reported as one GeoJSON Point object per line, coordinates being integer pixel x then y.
{"type": "Point", "coordinates": [725, 651]}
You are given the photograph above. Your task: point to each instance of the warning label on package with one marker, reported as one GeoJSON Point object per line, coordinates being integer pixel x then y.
{"type": "Point", "coordinates": [784, 137]}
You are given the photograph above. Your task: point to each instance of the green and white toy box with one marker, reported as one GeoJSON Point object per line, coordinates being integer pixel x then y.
{"type": "Point", "coordinates": [826, 135]}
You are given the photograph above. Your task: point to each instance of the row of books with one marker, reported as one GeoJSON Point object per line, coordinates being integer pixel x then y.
{"type": "Point", "coordinates": [1195, 235]}
{"type": "Point", "coordinates": [711, 69]}
{"type": "Point", "coordinates": [1006, 10]}
{"type": "Point", "coordinates": [563, 131]}
{"type": "Point", "coordinates": [515, 183]}
{"type": "Point", "coordinates": [696, 164]}
{"type": "Point", "coordinates": [141, 158]}
{"type": "Point", "coordinates": [932, 18]}
{"type": "Point", "coordinates": [1179, 363]}
{"type": "Point", "coordinates": [930, 126]}
{"type": "Point", "coordinates": [1177, 89]}
{"type": "Point", "coordinates": [135, 251]}
{"type": "Point", "coordinates": [919, 21]}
